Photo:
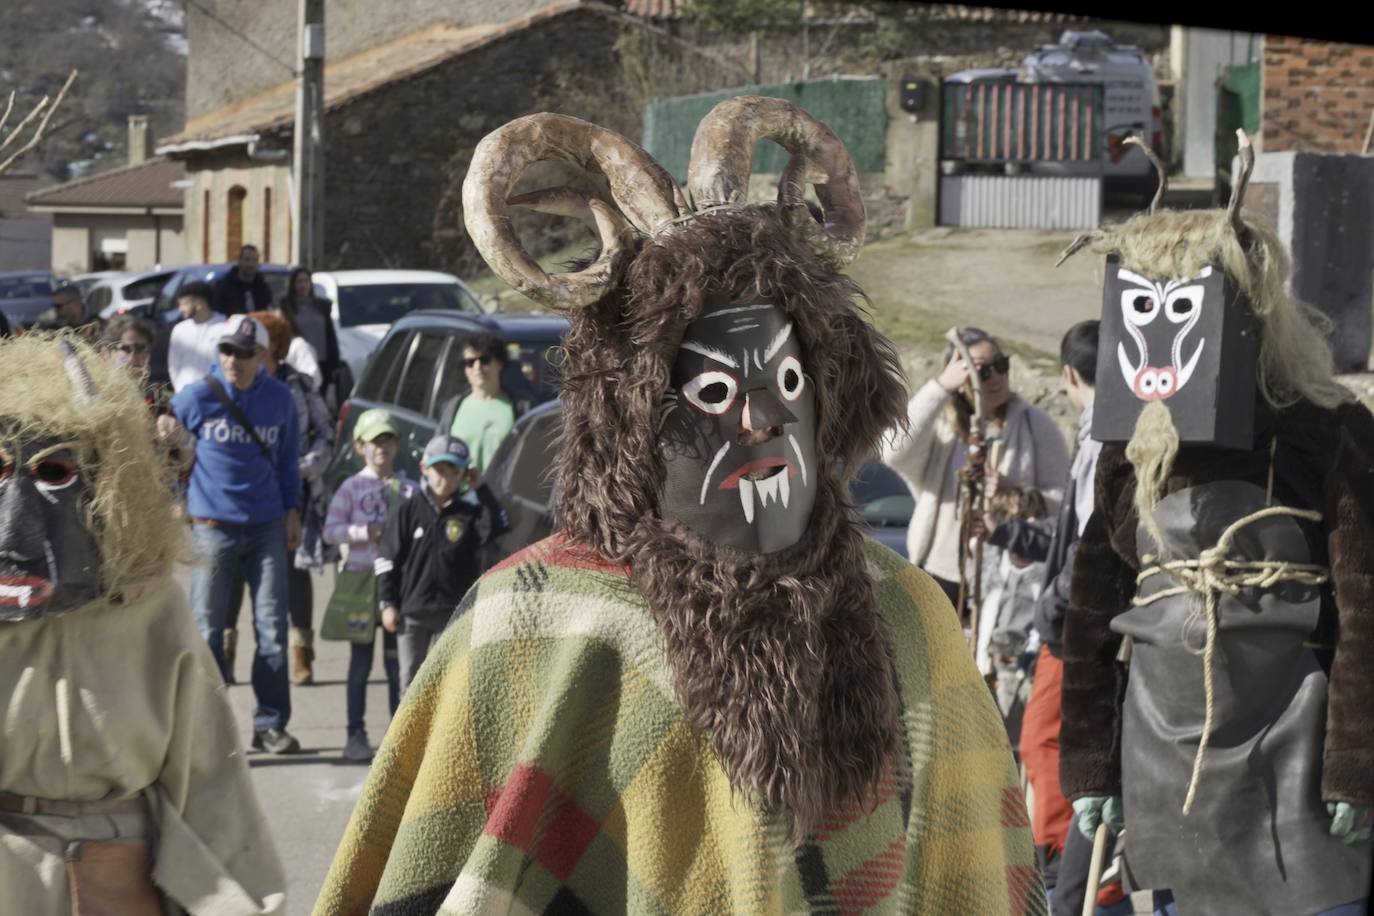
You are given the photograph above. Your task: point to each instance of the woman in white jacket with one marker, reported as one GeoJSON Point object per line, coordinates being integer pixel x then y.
{"type": "Point", "coordinates": [930, 454]}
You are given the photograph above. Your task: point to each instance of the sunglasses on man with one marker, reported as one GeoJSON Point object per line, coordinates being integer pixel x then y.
{"type": "Point", "coordinates": [470, 361]}
{"type": "Point", "coordinates": [226, 350]}
{"type": "Point", "coordinates": [130, 349]}
{"type": "Point", "coordinates": [1000, 365]}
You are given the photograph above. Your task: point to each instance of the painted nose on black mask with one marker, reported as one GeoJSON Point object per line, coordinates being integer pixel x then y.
{"type": "Point", "coordinates": [22, 530]}
{"type": "Point", "coordinates": [763, 411]}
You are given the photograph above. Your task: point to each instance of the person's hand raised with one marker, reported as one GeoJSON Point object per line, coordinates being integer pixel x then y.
{"type": "Point", "coordinates": [954, 375]}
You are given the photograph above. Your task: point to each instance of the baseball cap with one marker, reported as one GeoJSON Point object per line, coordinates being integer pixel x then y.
{"type": "Point", "coordinates": [446, 448]}
{"type": "Point", "coordinates": [373, 423]}
{"type": "Point", "coordinates": [244, 334]}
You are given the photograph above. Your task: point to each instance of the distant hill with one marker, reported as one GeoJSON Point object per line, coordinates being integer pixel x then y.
{"type": "Point", "coordinates": [131, 54]}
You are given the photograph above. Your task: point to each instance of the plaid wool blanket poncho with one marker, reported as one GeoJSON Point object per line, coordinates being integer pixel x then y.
{"type": "Point", "coordinates": [540, 764]}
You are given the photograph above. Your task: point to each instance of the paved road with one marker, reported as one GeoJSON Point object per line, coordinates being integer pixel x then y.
{"type": "Point", "coordinates": [308, 797]}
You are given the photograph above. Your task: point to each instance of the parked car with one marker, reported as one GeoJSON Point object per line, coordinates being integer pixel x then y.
{"type": "Point", "coordinates": [85, 282]}
{"type": "Point", "coordinates": [124, 294]}
{"type": "Point", "coordinates": [25, 294]}
{"type": "Point", "coordinates": [521, 477]}
{"type": "Point", "coordinates": [163, 310]}
{"type": "Point", "coordinates": [368, 302]}
{"type": "Point", "coordinates": [418, 368]}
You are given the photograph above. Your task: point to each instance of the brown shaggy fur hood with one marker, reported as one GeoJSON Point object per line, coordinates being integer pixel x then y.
{"type": "Point", "coordinates": [779, 658]}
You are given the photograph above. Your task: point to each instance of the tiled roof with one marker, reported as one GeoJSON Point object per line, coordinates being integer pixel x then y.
{"type": "Point", "coordinates": [359, 74]}
{"type": "Point", "coordinates": [147, 184]}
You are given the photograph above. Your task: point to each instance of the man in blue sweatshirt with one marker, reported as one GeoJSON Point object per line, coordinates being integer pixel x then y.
{"type": "Point", "coordinates": [242, 500]}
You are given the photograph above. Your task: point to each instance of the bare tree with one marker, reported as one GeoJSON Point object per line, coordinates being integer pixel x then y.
{"type": "Point", "coordinates": [41, 112]}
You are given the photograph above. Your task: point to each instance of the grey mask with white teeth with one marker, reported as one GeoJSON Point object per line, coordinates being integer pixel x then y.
{"type": "Point", "coordinates": [49, 559]}
{"type": "Point", "coordinates": [738, 429]}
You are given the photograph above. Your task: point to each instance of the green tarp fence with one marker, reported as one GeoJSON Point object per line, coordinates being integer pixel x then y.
{"type": "Point", "coordinates": [853, 107]}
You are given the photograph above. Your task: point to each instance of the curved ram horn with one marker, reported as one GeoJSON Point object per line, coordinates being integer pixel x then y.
{"type": "Point", "coordinates": [1246, 154]}
{"type": "Point", "coordinates": [722, 160]}
{"type": "Point", "coordinates": [1160, 169]}
{"type": "Point", "coordinates": [82, 386]}
{"type": "Point", "coordinates": [641, 189]}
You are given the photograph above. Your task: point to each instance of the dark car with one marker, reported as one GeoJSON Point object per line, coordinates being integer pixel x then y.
{"type": "Point", "coordinates": [164, 314]}
{"type": "Point", "coordinates": [417, 369]}
{"type": "Point", "coordinates": [521, 477]}
{"type": "Point", "coordinates": [25, 294]}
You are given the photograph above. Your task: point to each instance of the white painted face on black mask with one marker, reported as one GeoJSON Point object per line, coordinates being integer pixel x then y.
{"type": "Point", "coordinates": [738, 429]}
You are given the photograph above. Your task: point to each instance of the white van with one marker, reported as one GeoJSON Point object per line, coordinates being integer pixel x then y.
{"type": "Point", "coordinates": [1130, 100]}
{"type": "Point", "coordinates": [366, 302]}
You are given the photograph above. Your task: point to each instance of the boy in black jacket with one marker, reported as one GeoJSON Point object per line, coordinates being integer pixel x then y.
{"type": "Point", "coordinates": [428, 557]}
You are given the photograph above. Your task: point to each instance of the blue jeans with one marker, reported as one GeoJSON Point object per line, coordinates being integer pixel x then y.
{"type": "Point", "coordinates": [360, 666]}
{"type": "Point", "coordinates": [261, 548]}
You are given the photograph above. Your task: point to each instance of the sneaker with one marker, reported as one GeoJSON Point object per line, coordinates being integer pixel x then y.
{"type": "Point", "coordinates": [357, 749]}
{"type": "Point", "coordinates": [275, 741]}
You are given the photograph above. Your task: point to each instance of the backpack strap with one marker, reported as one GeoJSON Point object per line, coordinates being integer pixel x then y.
{"type": "Point", "coordinates": [237, 413]}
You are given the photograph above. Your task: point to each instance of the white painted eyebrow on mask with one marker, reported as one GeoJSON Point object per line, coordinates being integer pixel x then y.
{"type": "Point", "coordinates": [778, 340]}
{"type": "Point", "coordinates": [710, 353]}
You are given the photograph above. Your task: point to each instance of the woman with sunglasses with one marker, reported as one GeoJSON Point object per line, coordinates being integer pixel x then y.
{"type": "Point", "coordinates": [127, 341]}
{"type": "Point", "coordinates": [931, 453]}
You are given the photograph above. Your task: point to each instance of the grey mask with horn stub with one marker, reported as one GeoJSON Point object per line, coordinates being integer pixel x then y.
{"type": "Point", "coordinates": [49, 557]}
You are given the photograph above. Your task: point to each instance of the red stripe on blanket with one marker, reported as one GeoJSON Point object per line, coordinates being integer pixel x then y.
{"type": "Point", "coordinates": [1023, 885]}
{"type": "Point", "coordinates": [560, 550]}
{"type": "Point", "coordinates": [530, 814]}
{"type": "Point", "coordinates": [851, 812]}
{"type": "Point", "coordinates": [1014, 808]}
{"type": "Point", "coordinates": [866, 886]}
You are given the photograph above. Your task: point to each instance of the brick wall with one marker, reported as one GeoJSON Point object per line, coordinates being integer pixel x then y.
{"type": "Point", "coordinates": [1317, 95]}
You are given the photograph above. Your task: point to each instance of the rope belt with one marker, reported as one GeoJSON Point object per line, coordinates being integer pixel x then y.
{"type": "Point", "coordinates": [1211, 575]}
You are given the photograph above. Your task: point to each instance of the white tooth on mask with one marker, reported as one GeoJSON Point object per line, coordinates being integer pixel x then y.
{"type": "Point", "coordinates": [746, 498]}
{"type": "Point", "coordinates": [784, 487]}
{"type": "Point", "coordinates": [768, 490]}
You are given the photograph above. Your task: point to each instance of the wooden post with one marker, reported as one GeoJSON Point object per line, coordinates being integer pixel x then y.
{"type": "Point", "coordinates": [308, 142]}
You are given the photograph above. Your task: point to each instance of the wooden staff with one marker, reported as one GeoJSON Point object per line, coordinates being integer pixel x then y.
{"type": "Point", "coordinates": [1095, 868]}
{"type": "Point", "coordinates": [972, 475]}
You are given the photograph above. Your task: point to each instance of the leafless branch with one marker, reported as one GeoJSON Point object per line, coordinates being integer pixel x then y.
{"type": "Point", "coordinates": [47, 112]}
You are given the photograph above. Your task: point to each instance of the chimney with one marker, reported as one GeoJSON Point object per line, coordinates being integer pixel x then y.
{"type": "Point", "coordinates": [140, 139]}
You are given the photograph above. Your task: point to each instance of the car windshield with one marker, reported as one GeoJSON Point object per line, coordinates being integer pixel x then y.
{"type": "Point", "coordinates": [25, 287]}
{"type": "Point", "coordinates": [384, 303]}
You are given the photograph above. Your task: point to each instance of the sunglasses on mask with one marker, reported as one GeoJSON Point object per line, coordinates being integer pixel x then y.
{"type": "Point", "coordinates": [1000, 365]}
{"type": "Point", "coordinates": [484, 359]}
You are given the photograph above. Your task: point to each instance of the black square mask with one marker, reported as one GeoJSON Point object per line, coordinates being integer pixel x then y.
{"type": "Point", "coordinates": [1191, 342]}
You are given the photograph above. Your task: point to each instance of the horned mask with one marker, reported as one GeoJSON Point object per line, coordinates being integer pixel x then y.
{"type": "Point", "coordinates": [720, 388]}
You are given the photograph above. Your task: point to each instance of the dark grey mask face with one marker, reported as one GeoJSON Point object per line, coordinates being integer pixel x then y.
{"type": "Point", "coordinates": [49, 559]}
{"type": "Point", "coordinates": [738, 430]}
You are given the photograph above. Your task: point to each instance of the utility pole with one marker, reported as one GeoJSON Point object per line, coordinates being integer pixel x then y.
{"type": "Point", "coordinates": [308, 162]}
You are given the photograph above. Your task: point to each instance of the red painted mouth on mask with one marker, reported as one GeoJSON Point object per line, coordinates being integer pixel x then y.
{"type": "Point", "coordinates": [24, 591]}
{"type": "Point", "coordinates": [758, 464]}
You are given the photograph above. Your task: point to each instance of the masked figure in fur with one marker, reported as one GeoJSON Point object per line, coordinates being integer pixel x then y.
{"type": "Point", "coordinates": [123, 788]}
{"type": "Point", "coordinates": [1232, 548]}
{"type": "Point", "coordinates": [708, 692]}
